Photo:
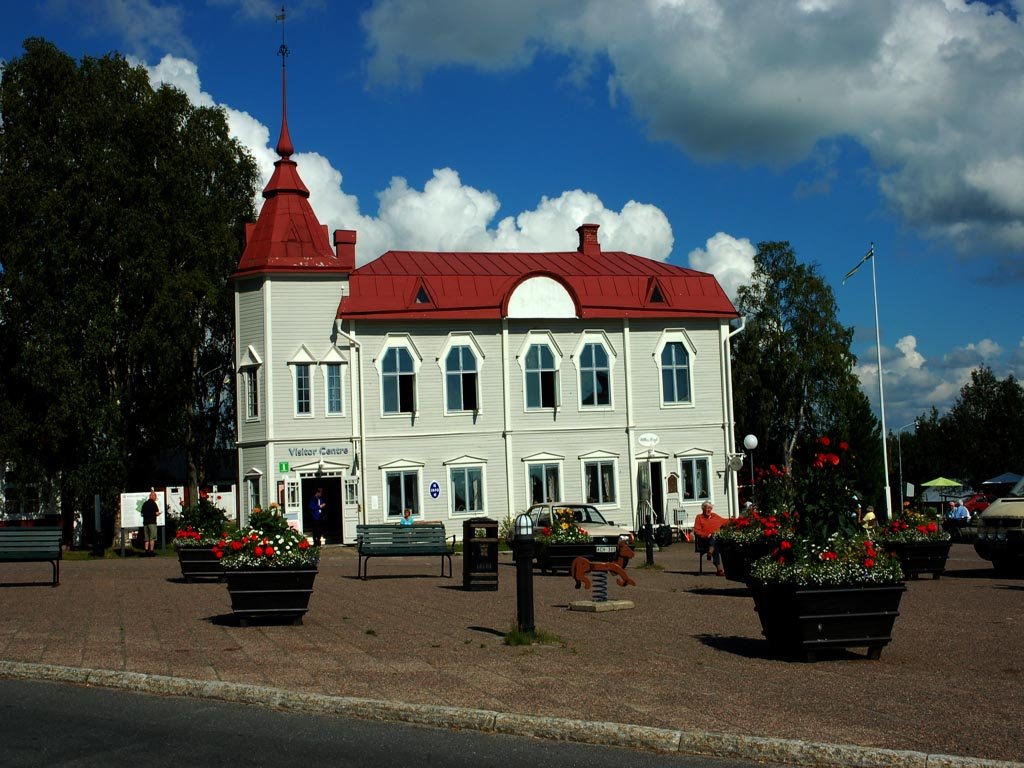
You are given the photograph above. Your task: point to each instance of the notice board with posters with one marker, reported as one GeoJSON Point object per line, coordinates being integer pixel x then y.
{"type": "Point", "coordinates": [131, 508]}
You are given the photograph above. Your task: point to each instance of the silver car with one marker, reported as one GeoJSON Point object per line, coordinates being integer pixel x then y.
{"type": "Point", "coordinates": [604, 534]}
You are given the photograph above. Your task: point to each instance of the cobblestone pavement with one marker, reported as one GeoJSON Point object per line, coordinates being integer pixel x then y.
{"type": "Point", "coordinates": [689, 656]}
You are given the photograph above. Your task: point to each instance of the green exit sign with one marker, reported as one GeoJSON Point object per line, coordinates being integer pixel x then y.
{"type": "Point", "coordinates": [282, 466]}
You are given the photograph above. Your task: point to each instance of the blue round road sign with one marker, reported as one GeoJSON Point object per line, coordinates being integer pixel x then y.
{"type": "Point", "coordinates": [435, 489]}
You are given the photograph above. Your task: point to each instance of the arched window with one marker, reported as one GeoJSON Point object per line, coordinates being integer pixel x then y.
{"type": "Point", "coordinates": [398, 381]}
{"type": "Point", "coordinates": [675, 373]}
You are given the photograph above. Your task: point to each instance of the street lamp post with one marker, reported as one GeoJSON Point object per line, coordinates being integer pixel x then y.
{"type": "Point", "coordinates": [524, 573]}
{"type": "Point", "coordinates": [750, 443]}
{"type": "Point", "coordinates": [899, 450]}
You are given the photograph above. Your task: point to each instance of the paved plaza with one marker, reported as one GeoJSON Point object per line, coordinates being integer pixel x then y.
{"type": "Point", "coordinates": [688, 657]}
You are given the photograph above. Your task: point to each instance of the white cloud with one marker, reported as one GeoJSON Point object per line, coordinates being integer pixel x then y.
{"type": "Point", "coordinates": [914, 383]}
{"type": "Point", "coordinates": [143, 25]}
{"type": "Point", "coordinates": [445, 214]}
{"type": "Point", "coordinates": [731, 260]}
{"type": "Point", "coordinates": [931, 89]}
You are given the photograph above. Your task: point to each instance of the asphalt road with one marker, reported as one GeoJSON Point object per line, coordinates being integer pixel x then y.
{"type": "Point", "coordinates": [53, 724]}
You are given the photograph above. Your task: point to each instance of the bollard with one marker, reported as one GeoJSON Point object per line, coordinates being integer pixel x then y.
{"type": "Point", "coordinates": [649, 540]}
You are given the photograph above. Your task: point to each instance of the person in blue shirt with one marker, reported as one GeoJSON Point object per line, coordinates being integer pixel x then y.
{"type": "Point", "coordinates": [316, 514]}
{"type": "Point", "coordinates": [406, 517]}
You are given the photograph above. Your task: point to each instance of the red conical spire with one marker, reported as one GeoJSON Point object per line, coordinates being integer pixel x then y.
{"type": "Point", "coordinates": [284, 141]}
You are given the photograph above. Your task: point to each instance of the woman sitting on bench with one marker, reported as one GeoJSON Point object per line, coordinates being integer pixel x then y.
{"type": "Point", "coordinates": [706, 526]}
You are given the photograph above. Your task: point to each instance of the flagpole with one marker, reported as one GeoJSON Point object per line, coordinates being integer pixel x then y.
{"type": "Point", "coordinates": [881, 391]}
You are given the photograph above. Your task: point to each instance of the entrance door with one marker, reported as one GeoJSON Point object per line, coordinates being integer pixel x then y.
{"type": "Point", "coordinates": [331, 486]}
{"type": "Point", "coordinates": [657, 493]}
{"type": "Point", "coordinates": [650, 491]}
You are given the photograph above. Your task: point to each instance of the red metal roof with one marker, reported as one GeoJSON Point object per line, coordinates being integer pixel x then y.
{"type": "Point", "coordinates": [287, 237]}
{"type": "Point", "coordinates": [470, 286]}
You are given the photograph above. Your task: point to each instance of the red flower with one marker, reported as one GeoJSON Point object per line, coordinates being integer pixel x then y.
{"type": "Point", "coordinates": [785, 545]}
{"type": "Point", "coordinates": [932, 527]}
{"type": "Point", "coordinates": [869, 563]}
{"type": "Point", "coordinates": [259, 552]}
{"type": "Point", "coordinates": [235, 546]}
{"type": "Point", "coordinates": [823, 440]}
{"type": "Point", "coordinates": [218, 553]}
{"type": "Point", "coordinates": [303, 544]}
{"type": "Point", "coordinates": [268, 551]}
{"type": "Point", "coordinates": [844, 446]}
{"type": "Point", "coordinates": [833, 459]}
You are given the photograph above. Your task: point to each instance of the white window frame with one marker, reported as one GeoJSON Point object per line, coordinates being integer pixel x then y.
{"type": "Point", "coordinates": [692, 459]}
{"type": "Point", "coordinates": [302, 359]}
{"type": "Point", "coordinates": [671, 336]}
{"type": "Point", "coordinates": [253, 490]}
{"type": "Point", "coordinates": [403, 467]}
{"type": "Point", "coordinates": [597, 459]}
{"type": "Point", "coordinates": [249, 371]}
{"type": "Point", "coordinates": [544, 338]}
{"type": "Point", "coordinates": [601, 339]}
{"type": "Point", "coordinates": [292, 495]}
{"type": "Point", "coordinates": [399, 341]}
{"type": "Point", "coordinates": [461, 339]}
{"type": "Point", "coordinates": [466, 463]}
{"type": "Point", "coordinates": [544, 460]}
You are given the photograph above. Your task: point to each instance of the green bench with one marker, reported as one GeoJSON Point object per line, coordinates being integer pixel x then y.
{"type": "Point", "coordinates": [32, 545]}
{"type": "Point", "coordinates": [390, 540]}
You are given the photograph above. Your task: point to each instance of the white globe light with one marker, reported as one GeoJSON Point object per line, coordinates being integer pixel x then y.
{"type": "Point", "coordinates": [750, 442]}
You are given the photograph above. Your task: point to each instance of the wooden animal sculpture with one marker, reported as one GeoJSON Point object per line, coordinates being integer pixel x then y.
{"type": "Point", "coordinates": [581, 567]}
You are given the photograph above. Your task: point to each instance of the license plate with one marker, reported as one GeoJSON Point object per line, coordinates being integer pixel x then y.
{"type": "Point", "coordinates": [605, 550]}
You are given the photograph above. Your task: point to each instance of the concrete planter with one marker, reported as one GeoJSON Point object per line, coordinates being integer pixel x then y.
{"type": "Point", "coordinates": [270, 593]}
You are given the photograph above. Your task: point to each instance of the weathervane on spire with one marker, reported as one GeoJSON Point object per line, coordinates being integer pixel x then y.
{"type": "Point", "coordinates": [284, 143]}
{"type": "Point", "coordinates": [283, 50]}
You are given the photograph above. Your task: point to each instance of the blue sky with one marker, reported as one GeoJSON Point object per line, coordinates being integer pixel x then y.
{"type": "Point", "coordinates": [689, 129]}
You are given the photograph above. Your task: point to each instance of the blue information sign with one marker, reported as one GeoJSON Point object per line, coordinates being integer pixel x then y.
{"type": "Point", "coordinates": [435, 489]}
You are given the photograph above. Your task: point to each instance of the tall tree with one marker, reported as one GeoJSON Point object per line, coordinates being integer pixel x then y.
{"type": "Point", "coordinates": [986, 426]}
{"type": "Point", "coordinates": [792, 366]}
{"type": "Point", "coordinates": [121, 217]}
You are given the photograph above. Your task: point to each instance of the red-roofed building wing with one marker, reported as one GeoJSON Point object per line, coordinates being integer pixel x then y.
{"type": "Point", "coordinates": [471, 286]}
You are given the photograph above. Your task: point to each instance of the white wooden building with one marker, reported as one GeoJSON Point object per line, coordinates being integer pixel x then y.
{"type": "Point", "coordinates": [473, 384]}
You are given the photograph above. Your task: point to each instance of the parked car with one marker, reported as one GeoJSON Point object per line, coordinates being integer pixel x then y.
{"type": "Point", "coordinates": [999, 533]}
{"type": "Point", "coordinates": [978, 502]}
{"type": "Point", "coordinates": [602, 532]}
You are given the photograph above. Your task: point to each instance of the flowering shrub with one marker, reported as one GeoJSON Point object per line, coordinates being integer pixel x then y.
{"type": "Point", "coordinates": [201, 525]}
{"type": "Point", "coordinates": [774, 491]}
{"type": "Point", "coordinates": [839, 561]}
{"type": "Point", "coordinates": [828, 546]}
{"type": "Point", "coordinates": [911, 526]}
{"type": "Point", "coordinates": [563, 529]}
{"type": "Point", "coordinates": [268, 542]}
{"type": "Point", "coordinates": [755, 527]}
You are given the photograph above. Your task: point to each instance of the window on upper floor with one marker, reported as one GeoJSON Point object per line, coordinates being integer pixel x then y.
{"type": "Point", "coordinates": [398, 381]}
{"type": "Point", "coordinates": [695, 475]}
{"type": "Point", "coordinates": [460, 372]}
{"type": "Point", "coordinates": [251, 385]}
{"type": "Point", "coordinates": [595, 376]}
{"type": "Point", "coordinates": [303, 389]}
{"type": "Point", "coordinates": [333, 387]}
{"type": "Point", "coordinates": [675, 374]}
{"type": "Point", "coordinates": [542, 389]}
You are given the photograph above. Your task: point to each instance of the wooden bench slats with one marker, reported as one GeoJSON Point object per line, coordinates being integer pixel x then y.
{"type": "Point", "coordinates": [32, 545]}
{"type": "Point", "coordinates": [390, 540]}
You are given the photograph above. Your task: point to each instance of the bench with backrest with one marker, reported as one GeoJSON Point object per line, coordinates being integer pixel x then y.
{"type": "Point", "coordinates": [390, 540]}
{"type": "Point", "coordinates": [32, 545]}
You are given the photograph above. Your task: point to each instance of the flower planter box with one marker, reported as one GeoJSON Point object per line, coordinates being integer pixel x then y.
{"type": "Point", "coordinates": [800, 621]}
{"type": "Point", "coordinates": [917, 557]}
{"type": "Point", "coordinates": [277, 593]}
{"type": "Point", "coordinates": [737, 557]}
{"type": "Point", "coordinates": [559, 557]}
{"type": "Point", "coordinates": [199, 563]}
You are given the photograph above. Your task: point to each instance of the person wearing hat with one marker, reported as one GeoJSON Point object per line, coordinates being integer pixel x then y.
{"type": "Point", "coordinates": [868, 521]}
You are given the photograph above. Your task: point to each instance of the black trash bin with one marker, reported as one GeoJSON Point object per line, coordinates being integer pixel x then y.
{"type": "Point", "coordinates": [480, 554]}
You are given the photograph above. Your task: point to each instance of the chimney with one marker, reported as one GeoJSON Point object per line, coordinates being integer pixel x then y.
{"type": "Point", "coordinates": [345, 248]}
{"type": "Point", "coordinates": [589, 245]}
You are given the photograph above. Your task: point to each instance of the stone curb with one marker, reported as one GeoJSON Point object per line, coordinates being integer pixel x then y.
{"type": "Point", "coordinates": [720, 745]}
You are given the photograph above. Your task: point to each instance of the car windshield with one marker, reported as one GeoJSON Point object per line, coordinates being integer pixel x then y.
{"type": "Point", "coordinates": [588, 515]}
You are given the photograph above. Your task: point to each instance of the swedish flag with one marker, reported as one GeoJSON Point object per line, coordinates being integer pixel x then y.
{"type": "Point", "coordinates": [868, 255]}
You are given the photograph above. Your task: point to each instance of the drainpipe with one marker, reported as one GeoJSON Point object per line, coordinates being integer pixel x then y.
{"type": "Point", "coordinates": [362, 418]}
{"type": "Point", "coordinates": [730, 430]}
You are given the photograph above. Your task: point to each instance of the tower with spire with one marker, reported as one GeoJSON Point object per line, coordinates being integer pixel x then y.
{"type": "Point", "coordinates": [287, 285]}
